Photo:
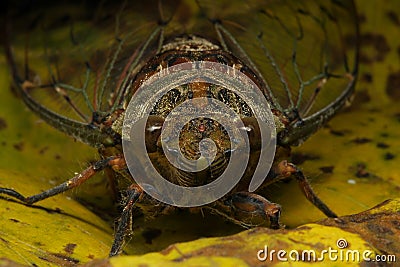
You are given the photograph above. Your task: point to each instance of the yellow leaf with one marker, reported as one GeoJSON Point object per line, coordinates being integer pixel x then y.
{"type": "Point", "coordinates": [352, 164]}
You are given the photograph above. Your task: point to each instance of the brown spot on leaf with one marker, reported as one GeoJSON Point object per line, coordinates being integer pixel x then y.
{"type": "Point", "coordinates": [19, 146]}
{"type": "Point", "coordinates": [362, 171]}
{"type": "Point", "coordinates": [69, 248]}
{"type": "Point", "coordinates": [327, 169]}
{"type": "Point", "coordinates": [393, 85]}
{"type": "Point", "coordinates": [367, 77]}
{"type": "Point", "coordinates": [378, 42]}
{"type": "Point", "coordinates": [150, 233]}
{"type": "Point", "coordinates": [393, 17]}
{"type": "Point", "coordinates": [43, 150]}
{"type": "Point", "coordinates": [361, 97]}
{"type": "Point", "coordinates": [389, 156]}
{"type": "Point", "coordinates": [382, 145]}
{"type": "Point", "coordinates": [3, 124]}
{"type": "Point", "coordinates": [361, 140]}
{"type": "Point", "coordinates": [338, 132]}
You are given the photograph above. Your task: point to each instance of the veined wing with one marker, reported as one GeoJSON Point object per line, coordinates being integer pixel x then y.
{"type": "Point", "coordinates": [305, 51]}
{"type": "Point", "coordinates": [79, 59]}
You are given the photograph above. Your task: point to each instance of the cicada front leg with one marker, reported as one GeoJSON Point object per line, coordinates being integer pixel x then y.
{"type": "Point", "coordinates": [124, 228]}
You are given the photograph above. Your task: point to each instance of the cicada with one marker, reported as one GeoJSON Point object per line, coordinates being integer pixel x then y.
{"type": "Point", "coordinates": [299, 56]}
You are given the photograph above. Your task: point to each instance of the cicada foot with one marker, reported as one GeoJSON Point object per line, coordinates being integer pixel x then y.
{"type": "Point", "coordinates": [124, 228]}
{"type": "Point", "coordinates": [287, 169]}
{"type": "Point", "coordinates": [249, 210]}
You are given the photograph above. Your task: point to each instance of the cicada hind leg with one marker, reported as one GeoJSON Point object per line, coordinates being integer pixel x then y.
{"type": "Point", "coordinates": [289, 169]}
{"type": "Point", "coordinates": [249, 209]}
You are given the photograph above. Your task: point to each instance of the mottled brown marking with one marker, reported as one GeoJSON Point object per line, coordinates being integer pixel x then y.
{"type": "Point", "coordinates": [19, 146]}
{"type": "Point", "coordinates": [361, 97]}
{"type": "Point", "coordinates": [362, 171]}
{"type": "Point", "coordinates": [361, 140]}
{"type": "Point", "coordinates": [378, 42]}
{"type": "Point", "coordinates": [43, 150]}
{"type": "Point", "coordinates": [384, 135]}
{"type": "Point", "coordinates": [69, 248]}
{"type": "Point", "coordinates": [393, 17]}
{"type": "Point", "coordinates": [396, 224]}
{"type": "Point", "coordinates": [376, 228]}
{"type": "Point", "coordinates": [389, 156]}
{"type": "Point", "coordinates": [393, 85]}
{"type": "Point", "coordinates": [3, 124]}
{"type": "Point", "coordinates": [338, 132]}
{"type": "Point", "coordinates": [382, 145]}
{"type": "Point", "coordinates": [367, 77]}
{"type": "Point", "coordinates": [327, 169]}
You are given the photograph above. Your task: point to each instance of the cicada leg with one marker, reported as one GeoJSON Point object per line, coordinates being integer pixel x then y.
{"type": "Point", "coordinates": [248, 210]}
{"type": "Point", "coordinates": [124, 228]}
{"type": "Point", "coordinates": [286, 169]}
{"type": "Point", "coordinates": [114, 162]}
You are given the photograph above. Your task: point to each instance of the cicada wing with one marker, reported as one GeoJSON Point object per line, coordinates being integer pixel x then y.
{"type": "Point", "coordinates": [82, 58]}
{"type": "Point", "coordinates": [300, 49]}
{"type": "Point", "coordinates": [70, 61]}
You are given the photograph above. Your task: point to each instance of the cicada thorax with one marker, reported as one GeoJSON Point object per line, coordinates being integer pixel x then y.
{"type": "Point", "coordinates": [191, 49]}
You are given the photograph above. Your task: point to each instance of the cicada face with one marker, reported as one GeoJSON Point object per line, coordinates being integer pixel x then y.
{"type": "Point", "coordinates": [84, 70]}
